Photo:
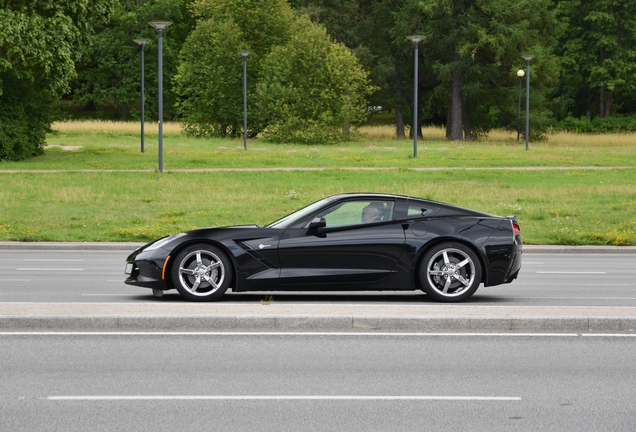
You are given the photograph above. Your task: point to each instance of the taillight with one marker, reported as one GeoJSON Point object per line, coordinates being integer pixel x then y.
{"type": "Point", "coordinates": [516, 229]}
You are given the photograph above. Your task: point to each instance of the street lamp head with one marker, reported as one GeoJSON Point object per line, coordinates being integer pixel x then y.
{"type": "Point", "coordinates": [245, 53]}
{"type": "Point", "coordinates": [159, 25]}
{"type": "Point", "coordinates": [141, 41]}
{"type": "Point", "coordinates": [415, 38]}
{"type": "Point", "coordinates": [520, 73]}
{"type": "Point", "coordinates": [527, 57]}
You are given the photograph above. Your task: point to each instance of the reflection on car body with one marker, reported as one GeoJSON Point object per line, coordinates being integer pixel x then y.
{"type": "Point", "coordinates": [343, 242]}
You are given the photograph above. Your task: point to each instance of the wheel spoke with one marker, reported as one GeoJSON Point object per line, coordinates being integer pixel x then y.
{"type": "Point", "coordinates": [197, 282]}
{"type": "Point", "coordinates": [446, 260]}
{"type": "Point", "coordinates": [186, 271]}
{"type": "Point", "coordinates": [463, 263]}
{"type": "Point", "coordinates": [209, 280]}
{"type": "Point", "coordinates": [215, 265]}
{"type": "Point", "coordinates": [199, 258]}
{"type": "Point", "coordinates": [435, 272]}
{"type": "Point", "coordinates": [462, 280]}
{"type": "Point", "coordinates": [447, 285]}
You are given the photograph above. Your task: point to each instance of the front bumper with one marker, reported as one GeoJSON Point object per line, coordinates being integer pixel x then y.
{"type": "Point", "coordinates": [147, 270]}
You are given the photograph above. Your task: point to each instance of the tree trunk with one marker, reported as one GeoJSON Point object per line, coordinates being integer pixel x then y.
{"type": "Point", "coordinates": [602, 109]}
{"type": "Point", "coordinates": [468, 135]}
{"type": "Point", "coordinates": [601, 96]}
{"type": "Point", "coordinates": [608, 104]}
{"type": "Point", "coordinates": [116, 112]}
{"type": "Point", "coordinates": [90, 106]}
{"type": "Point", "coordinates": [399, 122]}
{"type": "Point", "coordinates": [399, 114]}
{"type": "Point", "coordinates": [124, 112]}
{"type": "Point", "coordinates": [449, 119]}
{"type": "Point", "coordinates": [456, 101]}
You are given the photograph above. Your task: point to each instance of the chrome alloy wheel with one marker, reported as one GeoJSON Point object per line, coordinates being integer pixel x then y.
{"type": "Point", "coordinates": [450, 272]}
{"type": "Point", "coordinates": [201, 272]}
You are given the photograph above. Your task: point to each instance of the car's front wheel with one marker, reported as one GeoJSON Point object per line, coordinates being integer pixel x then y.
{"type": "Point", "coordinates": [450, 272]}
{"type": "Point", "coordinates": [201, 272]}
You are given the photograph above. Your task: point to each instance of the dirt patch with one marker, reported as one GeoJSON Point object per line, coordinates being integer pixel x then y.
{"type": "Point", "coordinates": [63, 147]}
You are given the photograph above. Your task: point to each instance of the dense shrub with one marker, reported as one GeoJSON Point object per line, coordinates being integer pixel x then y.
{"type": "Point", "coordinates": [615, 123]}
{"type": "Point", "coordinates": [312, 90]}
{"type": "Point", "coordinates": [302, 86]}
{"type": "Point", "coordinates": [25, 115]}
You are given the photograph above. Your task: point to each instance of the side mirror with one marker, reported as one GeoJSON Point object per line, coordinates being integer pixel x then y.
{"type": "Point", "coordinates": [316, 224]}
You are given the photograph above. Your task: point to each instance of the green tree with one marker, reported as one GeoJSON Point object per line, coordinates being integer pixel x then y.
{"type": "Point", "coordinates": [474, 48]}
{"type": "Point", "coordinates": [40, 43]}
{"type": "Point", "coordinates": [598, 51]}
{"type": "Point", "coordinates": [281, 67]}
{"type": "Point", "coordinates": [311, 89]}
{"type": "Point", "coordinates": [210, 76]}
{"type": "Point", "coordinates": [109, 74]}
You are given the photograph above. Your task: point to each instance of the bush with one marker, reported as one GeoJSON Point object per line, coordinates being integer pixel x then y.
{"type": "Point", "coordinates": [614, 124]}
{"type": "Point", "coordinates": [25, 117]}
{"type": "Point", "coordinates": [312, 90]}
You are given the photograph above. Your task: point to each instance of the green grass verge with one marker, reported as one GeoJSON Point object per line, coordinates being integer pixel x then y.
{"type": "Point", "coordinates": [107, 150]}
{"type": "Point", "coordinates": [554, 207]}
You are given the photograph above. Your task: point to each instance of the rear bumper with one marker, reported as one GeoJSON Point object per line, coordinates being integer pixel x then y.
{"type": "Point", "coordinates": [515, 263]}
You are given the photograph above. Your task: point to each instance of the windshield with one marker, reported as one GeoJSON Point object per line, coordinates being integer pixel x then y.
{"type": "Point", "coordinates": [299, 214]}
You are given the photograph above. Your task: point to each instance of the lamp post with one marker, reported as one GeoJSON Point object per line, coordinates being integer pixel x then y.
{"type": "Point", "coordinates": [160, 26]}
{"type": "Point", "coordinates": [142, 43]}
{"type": "Point", "coordinates": [245, 54]}
{"type": "Point", "coordinates": [416, 41]}
{"type": "Point", "coordinates": [527, 58]}
{"type": "Point", "coordinates": [520, 74]}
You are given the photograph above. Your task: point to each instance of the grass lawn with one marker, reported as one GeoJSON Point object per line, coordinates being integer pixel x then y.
{"type": "Point", "coordinates": [579, 206]}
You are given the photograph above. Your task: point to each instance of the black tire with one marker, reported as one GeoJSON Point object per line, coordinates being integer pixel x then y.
{"type": "Point", "coordinates": [201, 272]}
{"type": "Point", "coordinates": [450, 272]}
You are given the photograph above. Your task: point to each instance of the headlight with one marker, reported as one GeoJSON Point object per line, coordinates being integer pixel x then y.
{"type": "Point", "coordinates": [164, 241]}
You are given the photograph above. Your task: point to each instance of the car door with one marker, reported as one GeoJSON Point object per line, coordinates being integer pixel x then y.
{"type": "Point", "coordinates": [348, 250]}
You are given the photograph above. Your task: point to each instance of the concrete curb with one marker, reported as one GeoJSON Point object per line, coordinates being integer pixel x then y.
{"type": "Point", "coordinates": [317, 323]}
{"type": "Point", "coordinates": [131, 246]}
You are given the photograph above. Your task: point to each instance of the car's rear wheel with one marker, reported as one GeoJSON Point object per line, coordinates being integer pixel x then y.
{"type": "Point", "coordinates": [202, 272]}
{"type": "Point", "coordinates": [450, 272]}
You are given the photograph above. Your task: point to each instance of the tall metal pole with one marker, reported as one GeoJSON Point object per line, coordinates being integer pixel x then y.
{"type": "Point", "coordinates": [520, 74]}
{"type": "Point", "coordinates": [160, 32]}
{"type": "Point", "coordinates": [416, 40]}
{"type": "Point", "coordinates": [143, 118]}
{"type": "Point", "coordinates": [160, 26]}
{"type": "Point", "coordinates": [142, 44]}
{"type": "Point", "coordinates": [415, 103]}
{"type": "Point", "coordinates": [527, 102]}
{"type": "Point", "coordinates": [244, 54]}
{"type": "Point", "coordinates": [527, 58]}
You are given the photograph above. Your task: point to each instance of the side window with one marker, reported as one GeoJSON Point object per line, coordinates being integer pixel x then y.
{"type": "Point", "coordinates": [413, 209]}
{"type": "Point", "coordinates": [419, 211]}
{"type": "Point", "coordinates": [358, 213]}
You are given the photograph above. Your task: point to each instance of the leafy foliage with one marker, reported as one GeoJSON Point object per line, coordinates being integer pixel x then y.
{"type": "Point", "coordinates": [110, 72]}
{"type": "Point", "coordinates": [303, 86]}
{"type": "Point", "coordinates": [598, 56]}
{"type": "Point", "coordinates": [616, 123]}
{"type": "Point", "coordinates": [40, 44]}
{"type": "Point", "coordinates": [311, 90]}
{"type": "Point", "coordinates": [211, 74]}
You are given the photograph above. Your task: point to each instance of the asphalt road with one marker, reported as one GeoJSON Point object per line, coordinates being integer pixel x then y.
{"type": "Point", "coordinates": [97, 276]}
{"type": "Point", "coordinates": [294, 382]}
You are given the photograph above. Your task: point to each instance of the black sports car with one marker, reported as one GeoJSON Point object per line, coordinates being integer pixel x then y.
{"type": "Point", "coordinates": [343, 242]}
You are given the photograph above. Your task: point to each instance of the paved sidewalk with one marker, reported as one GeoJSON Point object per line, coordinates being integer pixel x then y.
{"type": "Point", "coordinates": [148, 316]}
{"type": "Point", "coordinates": [223, 316]}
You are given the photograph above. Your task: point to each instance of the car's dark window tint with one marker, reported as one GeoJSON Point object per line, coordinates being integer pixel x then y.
{"type": "Point", "coordinates": [358, 213]}
{"type": "Point", "coordinates": [412, 209]}
{"type": "Point", "coordinates": [419, 210]}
